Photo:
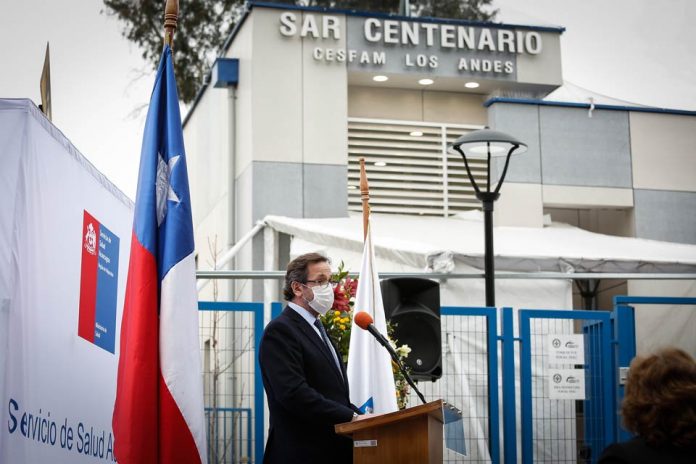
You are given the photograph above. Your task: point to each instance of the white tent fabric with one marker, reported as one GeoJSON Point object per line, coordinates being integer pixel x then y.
{"type": "Point", "coordinates": [438, 244]}
{"type": "Point", "coordinates": [571, 93]}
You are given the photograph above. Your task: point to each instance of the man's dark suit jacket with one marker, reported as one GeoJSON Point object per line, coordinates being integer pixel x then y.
{"type": "Point", "coordinates": [306, 395]}
{"type": "Point", "coordinates": [637, 451]}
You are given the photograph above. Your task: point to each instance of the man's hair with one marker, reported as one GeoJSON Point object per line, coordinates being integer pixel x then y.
{"type": "Point", "coordinates": [297, 271]}
{"type": "Point", "coordinates": [660, 401]}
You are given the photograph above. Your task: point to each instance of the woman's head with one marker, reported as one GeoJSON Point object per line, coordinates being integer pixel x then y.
{"type": "Point", "coordinates": [660, 400]}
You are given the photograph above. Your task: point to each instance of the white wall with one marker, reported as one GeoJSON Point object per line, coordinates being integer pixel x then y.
{"type": "Point", "coordinates": [416, 105]}
{"type": "Point", "coordinates": [519, 205]}
{"type": "Point", "coordinates": [663, 150]}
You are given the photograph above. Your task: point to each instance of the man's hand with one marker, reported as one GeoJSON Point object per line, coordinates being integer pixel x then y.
{"type": "Point", "coordinates": [362, 416]}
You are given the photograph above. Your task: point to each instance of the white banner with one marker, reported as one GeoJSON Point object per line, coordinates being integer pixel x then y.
{"type": "Point", "coordinates": [68, 233]}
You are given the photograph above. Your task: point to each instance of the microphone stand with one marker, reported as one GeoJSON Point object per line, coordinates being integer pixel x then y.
{"type": "Point", "coordinates": [408, 377]}
{"type": "Point", "coordinates": [383, 341]}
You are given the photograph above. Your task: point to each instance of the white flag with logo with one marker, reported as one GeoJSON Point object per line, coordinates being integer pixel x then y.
{"type": "Point", "coordinates": [370, 374]}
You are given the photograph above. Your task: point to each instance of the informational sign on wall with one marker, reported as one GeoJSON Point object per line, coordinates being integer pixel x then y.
{"type": "Point", "coordinates": [565, 349]}
{"type": "Point", "coordinates": [442, 49]}
{"type": "Point", "coordinates": [566, 384]}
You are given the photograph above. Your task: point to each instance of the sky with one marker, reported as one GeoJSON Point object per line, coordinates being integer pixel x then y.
{"type": "Point", "coordinates": [639, 51]}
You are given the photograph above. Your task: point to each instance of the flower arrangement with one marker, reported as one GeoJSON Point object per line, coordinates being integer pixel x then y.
{"type": "Point", "coordinates": [402, 386]}
{"type": "Point", "coordinates": [338, 322]}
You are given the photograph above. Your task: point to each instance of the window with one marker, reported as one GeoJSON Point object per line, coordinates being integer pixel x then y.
{"type": "Point", "coordinates": [408, 168]}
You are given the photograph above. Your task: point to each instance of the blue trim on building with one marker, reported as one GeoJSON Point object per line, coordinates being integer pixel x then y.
{"type": "Point", "coordinates": [638, 109]}
{"type": "Point", "coordinates": [225, 73]}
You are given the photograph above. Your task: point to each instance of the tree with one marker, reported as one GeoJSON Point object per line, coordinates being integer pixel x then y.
{"type": "Point", "coordinates": [205, 24]}
{"type": "Point", "coordinates": [203, 27]}
{"type": "Point", "coordinates": [475, 10]}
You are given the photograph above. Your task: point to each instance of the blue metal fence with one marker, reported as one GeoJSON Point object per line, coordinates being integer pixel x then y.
{"type": "Point", "coordinates": [231, 339]}
{"type": "Point", "coordinates": [508, 340]}
{"type": "Point", "coordinates": [603, 392]}
{"type": "Point", "coordinates": [227, 430]}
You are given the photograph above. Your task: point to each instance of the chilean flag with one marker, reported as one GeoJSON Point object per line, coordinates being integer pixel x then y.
{"type": "Point", "coordinates": [158, 414]}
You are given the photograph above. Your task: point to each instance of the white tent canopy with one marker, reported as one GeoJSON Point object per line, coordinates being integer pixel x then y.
{"type": "Point", "coordinates": [434, 244]}
{"type": "Point", "coordinates": [571, 93]}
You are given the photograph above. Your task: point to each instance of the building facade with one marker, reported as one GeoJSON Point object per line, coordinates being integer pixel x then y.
{"type": "Point", "coordinates": [302, 93]}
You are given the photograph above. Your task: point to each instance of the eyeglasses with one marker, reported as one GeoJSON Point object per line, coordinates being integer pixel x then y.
{"type": "Point", "coordinates": [323, 284]}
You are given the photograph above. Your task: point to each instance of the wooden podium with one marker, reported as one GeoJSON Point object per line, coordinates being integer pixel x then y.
{"type": "Point", "coordinates": [413, 435]}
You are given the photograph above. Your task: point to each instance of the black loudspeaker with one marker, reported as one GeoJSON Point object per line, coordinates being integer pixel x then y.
{"type": "Point", "coordinates": [412, 305]}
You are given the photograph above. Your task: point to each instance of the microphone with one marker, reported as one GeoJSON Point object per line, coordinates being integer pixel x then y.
{"type": "Point", "coordinates": [365, 322]}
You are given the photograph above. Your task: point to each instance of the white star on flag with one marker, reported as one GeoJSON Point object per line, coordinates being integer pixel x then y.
{"type": "Point", "coordinates": [164, 173]}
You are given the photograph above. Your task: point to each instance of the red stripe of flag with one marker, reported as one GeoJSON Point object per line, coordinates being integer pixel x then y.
{"type": "Point", "coordinates": [135, 420]}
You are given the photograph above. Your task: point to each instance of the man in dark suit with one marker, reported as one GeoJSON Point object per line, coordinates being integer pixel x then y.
{"type": "Point", "coordinates": [303, 374]}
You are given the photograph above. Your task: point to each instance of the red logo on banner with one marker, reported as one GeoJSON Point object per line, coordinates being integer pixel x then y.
{"type": "Point", "coordinates": [90, 237]}
{"type": "Point", "coordinates": [88, 281]}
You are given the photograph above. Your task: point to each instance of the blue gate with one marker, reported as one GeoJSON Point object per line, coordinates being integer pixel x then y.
{"type": "Point", "coordinates": [624, 334]}
{"type": "Point", "coordinates": [550, 426]}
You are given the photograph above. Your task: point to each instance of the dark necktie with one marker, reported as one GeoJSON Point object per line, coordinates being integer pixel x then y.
{"type": "Point", "coordinates": [320, 326]}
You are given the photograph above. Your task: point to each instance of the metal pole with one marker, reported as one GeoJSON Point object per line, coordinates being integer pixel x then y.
{"type": "Point", "coordinates": [489, 262]}
{"type": "Point", "coordinates": [487, 199]}
{"type": "Point", "coordinates": [520, 275]}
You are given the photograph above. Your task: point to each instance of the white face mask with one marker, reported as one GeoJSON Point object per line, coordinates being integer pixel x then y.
{"type": "Point", "coordinates": [323, 299]}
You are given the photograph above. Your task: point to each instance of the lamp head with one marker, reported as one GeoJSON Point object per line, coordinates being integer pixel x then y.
{"type": "Point", "coordinates": [478, 143]}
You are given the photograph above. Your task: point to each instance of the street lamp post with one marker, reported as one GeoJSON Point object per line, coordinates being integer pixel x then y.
{"type": "Point", "coordinates": [487, 144]}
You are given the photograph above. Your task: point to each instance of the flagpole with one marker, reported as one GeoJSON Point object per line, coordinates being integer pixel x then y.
{"type": "Point", "coordinates": [171, 17]}
{"type": "Point", "coordinates": [365, 197]}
